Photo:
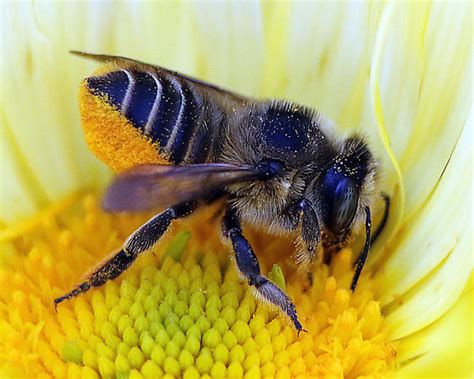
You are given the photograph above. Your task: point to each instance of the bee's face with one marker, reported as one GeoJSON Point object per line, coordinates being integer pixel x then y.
{"type": "Point", "coordinates": [340, 197]}
{"type": "Point", "coordinates": [346, 187]}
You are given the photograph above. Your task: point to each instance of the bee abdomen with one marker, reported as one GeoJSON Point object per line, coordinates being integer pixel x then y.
{"type": "Point", "coordinates": [163, 107]}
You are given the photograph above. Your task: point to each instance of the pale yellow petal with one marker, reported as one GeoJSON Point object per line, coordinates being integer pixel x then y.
{"type": "Point", "coordinates": [427, 239]}
{"type": "Point", "coordinates": [231, 45]}
{"type": "Point", "coordinates": [442, 350]}
{"type": "Point", "coordinates": [401, 68]}
{"type": "Point", "coordinates": [429, 270]}
{"type": "Point", "coordinates": [17, 194]}
{"type": "Point", "coordinates": [39, 84]}
{"type": "Point", "coordinates": [391, 176]}
{"type": "Point", "coordinates": [444, 100]}
{"type": "Point", "coordinates": [424, 82]}
{"type": "Point", "coordinates": [436, 194]}
{"type": "Point", "coordinates": [328, 58]}
{"type": "Point", "coordinates": [423, 66]}
{"type": "Point", "coordinates": [162, 33]}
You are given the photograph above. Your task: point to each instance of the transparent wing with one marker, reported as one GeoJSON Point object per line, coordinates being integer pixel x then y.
{"type": "Point", "coordinates": [155, 186]}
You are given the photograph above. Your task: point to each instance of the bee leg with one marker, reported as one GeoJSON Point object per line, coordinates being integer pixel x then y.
{"type": "Point", "coordinates": [365, 251]}
{"type": "Point", "coordinates": [359, 263]}
{"type": "Point", "coordinates": [304, 219]}
{"type": "Point", "coordinates": [247, 264]}
{"type": "Point", "coordinates": [142, 239]}
{"type": "Point", "coordinates": [310, 235]}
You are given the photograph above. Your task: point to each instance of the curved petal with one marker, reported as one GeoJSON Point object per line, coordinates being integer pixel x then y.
{"type": "Point", "coordinates": [436, 100]}
{"type": "Point", "coordinates": [21, 193]}
{"type": "Point", "coordinates": [231, 44]}
{"type": "Point", "coordinates": [444, 100]}
{"type": "Point", "coordinates": [432, 264]}
{"type": "Point", "coordinates": [423, 79]}
{"type": "Point", "coordinates": [329, 71]}
{"type": "Point", "coordinates": [443, 349]}
{"type": "Point", "coordinates": [37, 72]}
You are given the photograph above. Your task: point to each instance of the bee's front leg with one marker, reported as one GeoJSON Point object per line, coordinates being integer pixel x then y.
{"type": "Point", "coordinates": [301, 218]}
{"type": "Point", "coordinates": [360, 262]}
{"type": "Point", "coordinates": [309, 239]}
{"type": "Point", "coordinates": [142, 239]}
{"type": "Point", "coordinates": [247, 264]}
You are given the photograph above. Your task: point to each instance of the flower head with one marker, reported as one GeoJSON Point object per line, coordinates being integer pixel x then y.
{"type": "Point", "coordinates": [400, 73]}
{"type": "Point", "coordinates": [182, 310]}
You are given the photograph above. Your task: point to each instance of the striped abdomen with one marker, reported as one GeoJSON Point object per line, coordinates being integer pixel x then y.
{"type": "Point", "coordinates": [168, 109]}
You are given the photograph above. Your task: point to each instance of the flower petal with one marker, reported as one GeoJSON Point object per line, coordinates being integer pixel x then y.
{"type": "Point", "coordinates": [430, 160]}
{"type": "Point", "coordinates": [36, 73]}
{"type": "Point", "coordinates": [20, 192]}
{"type": "Point", "coordinates": [443, 349]}
{"type": "Point", "coordinates": [434, 250]}
{"type": "Point", "coordinates": [231, 44]}
{"type": "Point", "coordinates": [423, 46]}
{"type": "Point", "coordinates": [444, 100]}
{"type": "Point", "coordinates": [329, 71]}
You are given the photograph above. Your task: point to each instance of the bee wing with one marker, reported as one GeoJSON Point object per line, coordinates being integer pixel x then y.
{"type": "Point", "coordinates": [225, 97]}
{"type": "Point", "coordinates": [155, 186]}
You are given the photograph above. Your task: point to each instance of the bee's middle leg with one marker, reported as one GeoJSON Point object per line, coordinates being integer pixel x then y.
{"type": "Point", "coordinates": [247, 264]}
{"type": "Point", "coordinates": [142, 239]}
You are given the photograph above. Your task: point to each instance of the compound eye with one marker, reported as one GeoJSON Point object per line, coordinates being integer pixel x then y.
{"type": "Point", "coordinates": [342, 198]}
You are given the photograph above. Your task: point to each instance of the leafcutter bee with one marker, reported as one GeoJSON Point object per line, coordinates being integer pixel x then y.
{"type": "Point", "coordinates": [277, 164]}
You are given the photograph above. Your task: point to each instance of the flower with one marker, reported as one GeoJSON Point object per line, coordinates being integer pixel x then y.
{"type": "Point", "coordinates": [400, 73]}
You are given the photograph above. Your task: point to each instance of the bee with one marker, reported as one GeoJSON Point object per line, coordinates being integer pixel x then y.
{"type": "Point", "coordinates": [185, 143]}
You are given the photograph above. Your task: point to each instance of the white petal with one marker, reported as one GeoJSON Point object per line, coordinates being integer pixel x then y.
{"type": "Point", "coordinates": [444, 102]}
{"type": "Point", "coordinates": [433, 263]}
{"type": "Point", "coordinates": [428, 148]}
{"type": "Point", "coordinates": [18, 194]}
{"type": "Point", "coordinates": [231, 44]}
{"type": "Point", "coordinates": [442, 350]}
{"type": "Point", "coordinates": [40, 108]}
{"type": "Point", "coordinates": [423, 65]}
{"type": "Point", "coordinates": [328, 58]}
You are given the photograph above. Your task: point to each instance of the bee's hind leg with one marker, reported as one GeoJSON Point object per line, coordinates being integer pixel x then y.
{"type": "Point", "coordinates": [247, 264]}
{"type": "Point", "coordinates": [142, 239]}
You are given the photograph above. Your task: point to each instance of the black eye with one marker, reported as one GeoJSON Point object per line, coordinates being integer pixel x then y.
{"type": "Point", "coordinates": [342, 197]}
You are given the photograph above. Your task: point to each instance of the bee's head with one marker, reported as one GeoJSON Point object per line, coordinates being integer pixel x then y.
{"type": "Point", "coordinates": [347, 186]}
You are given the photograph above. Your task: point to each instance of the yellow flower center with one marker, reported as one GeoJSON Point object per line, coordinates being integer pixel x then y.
{"type": "Point", "coordinates": [180, 310]}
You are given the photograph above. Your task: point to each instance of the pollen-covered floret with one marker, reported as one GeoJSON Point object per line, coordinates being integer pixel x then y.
{"type": "Point", "coordinates": [179, 311]}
